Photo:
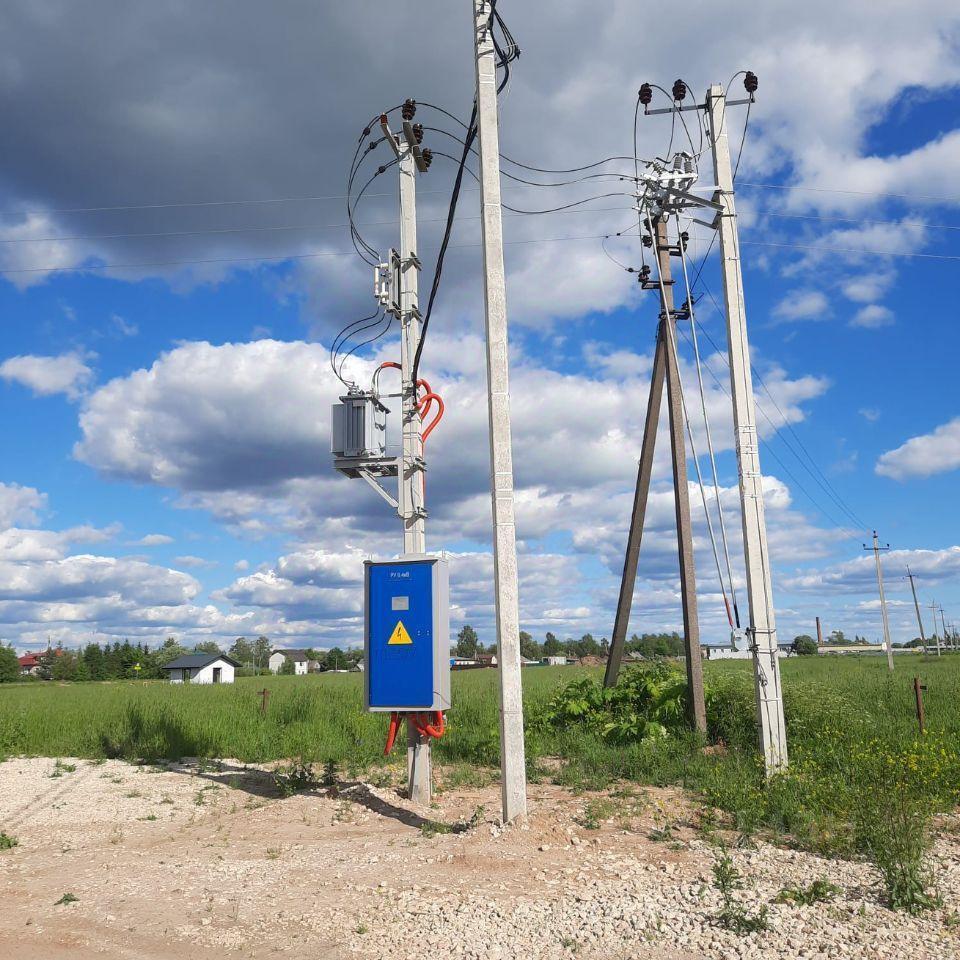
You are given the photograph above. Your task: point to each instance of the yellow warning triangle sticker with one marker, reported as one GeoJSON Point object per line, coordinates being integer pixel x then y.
{"type": "Point", "coordinates": [399, 635]}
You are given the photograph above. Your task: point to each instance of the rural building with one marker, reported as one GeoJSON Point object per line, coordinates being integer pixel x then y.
{"type": "Point", "coordinates": [202, 668]}
{"type": "Point", "coordinates": [301, 662]}
{"type": "Point", "coordinates": [555, 661]}
{"type": "Point", "coordinates": [29, 664]}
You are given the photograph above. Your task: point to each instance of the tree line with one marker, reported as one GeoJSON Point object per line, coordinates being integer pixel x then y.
{"type": "Point", "coordinates": [649, 645]}
{"type": "Point", "coordinates": [127, 661]}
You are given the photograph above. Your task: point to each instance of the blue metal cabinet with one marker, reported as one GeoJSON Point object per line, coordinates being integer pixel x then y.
{"type": "Point", "coordinates": [407, 634]}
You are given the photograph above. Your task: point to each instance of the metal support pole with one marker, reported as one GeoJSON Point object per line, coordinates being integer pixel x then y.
{"type": "Point", "coordinates": [634, 537]}
{"type": "Point", "coordinates": [916, 606]}
{"type": "Point", "coordinates": [696, 708]}
{"type": "Point", "coordinates": [763, 629]}
{"type": "Point", "coordinates": [512, 753]}
{"type": "Point", "coordinates": [410, 474]}
{"type": "Point", "coordinates": [876, 548]}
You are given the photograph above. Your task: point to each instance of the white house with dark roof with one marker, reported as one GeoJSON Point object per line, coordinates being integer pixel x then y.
{"type": "Point", "coordinates": [202, 668]}
{"type": "Point", "coordinates": [301, 662]}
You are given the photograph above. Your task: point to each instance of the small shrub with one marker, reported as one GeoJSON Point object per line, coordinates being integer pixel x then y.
{"type": "Point", "coordinates": [819, 891]}
{"type": "Point", "coordinates": [733, 915]}
{"type": "Point", "coordinates": [295, 777]}
{"type": "Point", "coordinates": [6, 841]}
{"type": "Point", "coordinates": [66, 899]}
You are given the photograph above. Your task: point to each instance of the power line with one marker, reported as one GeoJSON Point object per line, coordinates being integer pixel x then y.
{"type": "Point", "coordinates": [855, 193]}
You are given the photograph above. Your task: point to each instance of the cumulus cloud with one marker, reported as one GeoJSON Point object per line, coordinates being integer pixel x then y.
{"type": "Point", "coordinates": [872, 317]}
{"type": "Point", "coordinates": [154, 540]}
{"type": "Point", "coordinates": [924, 455]}
{"type": "Point", "coordinates": [802, 305]}
{"type": "Point", "coordinates": [67, 374]}
{"type": "Point", "coordinates": [20, 504]}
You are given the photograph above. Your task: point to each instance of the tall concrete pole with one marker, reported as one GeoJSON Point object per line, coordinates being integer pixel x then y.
{"type": "Point", "coordinates": [936, 634]}
{"type": "Point", "coordinates": [916, 606]}
{"type": "Point", "coordinates": [763, 629]}
{"type": "Point", "coordinates": [943, 622]}
{"type": "Point", "coordinates": [411, 467]}
{"type": "Point", "coordinates": [876, 548]}
{"type": "Point", "coordinates": [696, 707]}
{"type": "Point", "coordinates": [512, 753]}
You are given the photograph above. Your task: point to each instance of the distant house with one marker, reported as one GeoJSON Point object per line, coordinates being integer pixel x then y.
{"type": "Point", "coordinates": [301, 662]}
{"type": "Point", "coordinates": [556, 661]}
{"type": "Point", "coordinates": [202, 668]}
{"type": "Point", "coordinates": [30, 664]}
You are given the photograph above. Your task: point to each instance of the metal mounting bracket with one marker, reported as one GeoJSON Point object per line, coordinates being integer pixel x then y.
{"type": "Point", "coordinates": [372, 480]}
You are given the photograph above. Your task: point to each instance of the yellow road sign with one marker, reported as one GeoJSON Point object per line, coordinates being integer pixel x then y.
{"type": "Point", "coordinates": [399, 635]}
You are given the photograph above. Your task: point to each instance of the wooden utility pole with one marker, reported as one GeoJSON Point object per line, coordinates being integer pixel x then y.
{"type": "Point", "coordinates": [264, 700]}
{"type": "Point", "coordinates": [918, 689]}
{"type": "Point", "coordinates": [876, 548]}
{"type": "Point", "coordinates": [665, 368]}
{"type": "Point", "coordinates": [819, 633]}
{"type": "Point", "coordinates": [506, 600]}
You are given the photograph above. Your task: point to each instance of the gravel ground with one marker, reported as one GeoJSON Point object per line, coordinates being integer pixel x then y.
{"type": "Point", "coordinates": [208, 861]}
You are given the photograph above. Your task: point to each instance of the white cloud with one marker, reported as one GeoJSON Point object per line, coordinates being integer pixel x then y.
{"type": "Point", "coordinates": [867, 287]}
{"type": "Point", "coordinates": [802, 305]}
{"type": "Point", "coordinates": [870, 414]}
{"type": "Point", "coordinates": [154, 540]}
{"type": "Point", "coordinates": [192, 561]}
{"type": "Point", "coordinates": [20, 504]}
{"type": "Point", "coordinates": [45, 376]}
{"type": "Point", "coordinates": [921, 456]}
{"type": "Point", "coordinates": [872, 317]}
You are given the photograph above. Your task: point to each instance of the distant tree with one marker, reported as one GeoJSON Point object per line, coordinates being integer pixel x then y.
{"type": "Point", "coordinates": [467, 642]}
{"type": "Point", "coordinates": [9, 666]}
{"type": "Point", "coordinates": [170, 650]}
{"type": "Point", "coordinates": [838, 638]}
{"type": "Point", "coordinates": [64, 665]}
{"type": "Point", "coordinates": [604, 646]}
{"type": "Point", "coordinates": [82, 672]}
{"type": "Point", "coordinates": [551, 646]}
{"type": "Point", "coordinates": [586, 646]}
{"type": "Point", "coordinates": [529, 648]}
{"type": "Point", "coordinates": [287, 668]}
{"type": "Point", "coordinates": [261, 653]}
{"type": "Point", "coordinates": [336, 659]}
{"type": "Point", "coordinates": [242, 651]}
{"type": "Point", "coordinates": [96, 665]}
{"type": "Point", "coordinates": [804, 646]}
{"type": "Point", "coordinates": [207, 646]}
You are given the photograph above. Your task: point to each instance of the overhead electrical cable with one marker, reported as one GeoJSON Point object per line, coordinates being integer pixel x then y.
{"type": "Point", "coordinates": [706, 425]}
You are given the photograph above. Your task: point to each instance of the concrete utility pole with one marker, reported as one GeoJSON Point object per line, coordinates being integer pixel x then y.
{"type": "Point", "coordinates": [876, 548]}
{"type": "Point", "coordinates": [943, 623]}
{"type": "Point", "coordinates": [411, 465]}
{"type": "Point", "coordinates": [762, 630]}
{"type": "Point", "coordinates": [916, 606]}
{"type": "Point", "coordinates": [513, 773]}
{"type": "Point", "coordinates": [936, 635]}
{"type": "Point", "coordinates": [665, 367]}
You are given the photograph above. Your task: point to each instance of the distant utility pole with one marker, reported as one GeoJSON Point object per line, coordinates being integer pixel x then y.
{"type": "Point", "coordinates": [819, 634]}
{"type": "Point", "coordinates": [916, 606]}
{"type": "Point", "coordinates": [506, 598]}
{"type": "Point", "coordinates": [943, 623]}
{"type": "Point", "coordinates": [936, 633]}
{"type": "Point", "coordinates": [411, 466]}
{"type": "Point", "coordinates": [763, 629]}
{"type": "Point", "coordinates": [876, 548]}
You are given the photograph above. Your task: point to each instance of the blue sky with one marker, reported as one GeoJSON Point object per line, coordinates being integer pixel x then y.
{"type": "Point", "coordinates": [166, 418]}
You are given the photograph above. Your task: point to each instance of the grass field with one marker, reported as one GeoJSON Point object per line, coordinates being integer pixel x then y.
{"type": "Point", "coordinates": [858, 762]}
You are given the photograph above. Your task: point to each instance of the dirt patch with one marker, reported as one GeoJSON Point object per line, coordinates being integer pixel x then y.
{"type": "Point", "coordinates": [205, 861]}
